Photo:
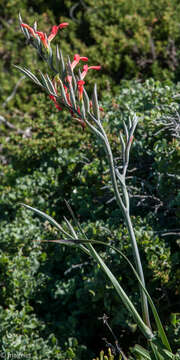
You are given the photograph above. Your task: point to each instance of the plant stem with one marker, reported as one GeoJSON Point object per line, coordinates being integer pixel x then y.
{"type": "Point", "coordinates": [137, 259]}
{"type": "Point", "coordinates": [125, 211]}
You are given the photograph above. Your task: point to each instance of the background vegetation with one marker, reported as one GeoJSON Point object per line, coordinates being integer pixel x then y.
{"type": "Point", "coordinates": [52, 296]}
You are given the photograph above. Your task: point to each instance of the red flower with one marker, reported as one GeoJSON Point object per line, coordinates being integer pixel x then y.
{"type": "Point", "coordinates": [86, 68]}
{"type": "Point", "coordinates": [45, 40]}
{"type": "Point", "coordinates": [55, 30]}
{"type": "Point", "coordinates": [69, 79]}
{"type": "Point", "coordinates": [80, 84]}
{"type": "Point", "coordinates": [55, 102]}
{"type": "Point", "coordinates": [77, 58]}
{"type": "Point", "coordinates": [31, 30]}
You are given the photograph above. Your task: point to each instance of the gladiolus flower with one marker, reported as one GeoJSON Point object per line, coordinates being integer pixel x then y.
{"type": "Point", "coordinates": [55, 30]}
{"type": "Point", "coordinates": [80, 84]}
{"type": "Point", "coordinates": [86, 68]}
{"type": "Point", "coordinates": [76, 60]}
{"type": "Point", "coordinates": [45, 40]}
{"type": "Point", "coordinates": [31, 30]}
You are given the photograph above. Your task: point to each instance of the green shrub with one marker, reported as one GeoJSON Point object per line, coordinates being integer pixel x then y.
{"type": "Point", "coordinates": [129, 38]}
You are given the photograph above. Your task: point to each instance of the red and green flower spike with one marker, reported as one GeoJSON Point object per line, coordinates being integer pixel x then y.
{"type": "Point", "coordinates": [80, 84]}
{"type": "Point", "coordinates": [45, 40]}
{"type": "Point", "coordinates": [86, 68]}
{"type": "Point", "coordinates": [77, 59]}
{"type": "Point", "coordinates": [30, 29]}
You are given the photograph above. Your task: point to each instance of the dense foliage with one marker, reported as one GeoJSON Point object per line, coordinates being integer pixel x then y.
{"type": "Point", "coordinates": [130, 38]}
{"type": "Point", "coordinates": [52, 295]}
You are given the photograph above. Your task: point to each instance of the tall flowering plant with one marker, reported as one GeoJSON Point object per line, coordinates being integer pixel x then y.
{"type": "Point", "coordinates": [67, 91]}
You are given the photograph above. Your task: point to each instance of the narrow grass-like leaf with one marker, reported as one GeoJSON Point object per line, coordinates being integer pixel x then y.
{"type": "Point", "coordinates": [38, 44]}
{"type": "Point", "coordinates": [51, 86]}
{"type": "Point", "coordinates": [155, 355]}
{"type": "Point", "coordinates": [72, 96]}
{"type": "Point", "coordinates": [74, 82]}
{"type": "Point", "coordinates": [75, 220]}
{"type": "Point", "coordinates": [71, 243]}
{"type": "Point", "coordinates": [20, 19]}
{"type": "Point", "coordinates": [44, 81]}
{"type": "Point", "coordinates": [159, 352]}
{"type": "Point", "coordinates": [129, 123]}
{"type": "Point", "coordinates": [83, 248]}
{"type": "Point", "coordinates": [160, 328]}
{"type": "Point", "coordinates": [58, 61]}
{"type": "Point", "coordinates": [71, 228]}
{"type": "Point", "coordinates": [125, 299]}
{"type": "Point", "coordinates": [46, 217]}
{"type": "Point", "coordinates": [59, 227]}
{"type": "Point", "coordinates": [92, 117]}
{"type": "Point", "coordinates": [50, 56]}
{"type": "Point", "coordinates": [63, 94]}
{"type": "Point", "coordinates": [97, 132]}
{"type": "Point", "coordinates": [95, 103]}
{"type": "Point", "coordinates": [24, 30]}
{"type": "Point", "coordinates": [69, 70]}
{"type": "Point", "coordinates": [48, 85]}
{"type": "Point", "coordinates": [139, 350]}
{"type": "Point", "coordinates": [86, 101]}
{"type": "Point", "coordinates": [26, 33]}
{"type": "Point", "coordinates": [63, 70]}
{"type": "Point", "coordinates": [29, 75]}
{"type": "Point", "coordinates": [35, 25]}
{"type": "Point", "coordinates": [79, 74]}
{"type": "Point", "coordinates": [71, 84]}
{"type": "Point", "coordinates": [62, 242]}
{"type": "Point", "coordinates": [82, 108]}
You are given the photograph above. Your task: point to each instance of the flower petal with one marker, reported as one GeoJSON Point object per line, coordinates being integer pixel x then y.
{"type": "Point", "coordinates": [63, 25]}
{"type": "Point", "coordinates": [31, 30]}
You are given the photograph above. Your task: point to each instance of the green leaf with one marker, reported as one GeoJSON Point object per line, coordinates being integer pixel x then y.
{"type": "Point", "coordinates": [29, 74]}
{"type": "Point", "coordinates": [45, 82]}
{"type": "Point", "coordinates": [161, 331]}
{"type": "Point", "coordinates": [46, 217]}
{"type": "Point", "coordinates": [50, 85]}
{"type": "Point", "coordinates": [95, 104]}
{"type": "Point", "coordinates": [125, 299]}
{"type": "Point", "coordinates": [86, 101]}
{"type": "Point", "coordinates": [137, 349]}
